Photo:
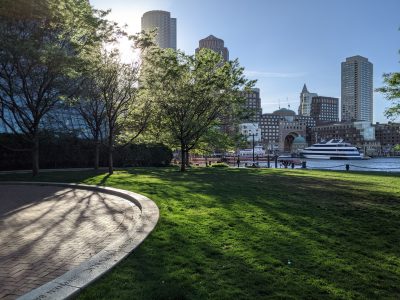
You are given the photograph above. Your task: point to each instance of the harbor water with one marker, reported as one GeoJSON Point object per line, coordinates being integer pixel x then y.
{"type": "Point", "coordinates": [382, 164]}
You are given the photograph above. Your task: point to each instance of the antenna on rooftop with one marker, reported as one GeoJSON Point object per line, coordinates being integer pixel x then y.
{"type": "Point", "coordinates": [279, 103]}
{"type": "Point", "coordinates": [287, 100]}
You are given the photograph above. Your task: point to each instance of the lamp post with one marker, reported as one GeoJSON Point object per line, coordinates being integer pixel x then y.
{"type": "Point", "coordinates": [253, 147]}
{"type": "Point", "coordinates": [253, 132]}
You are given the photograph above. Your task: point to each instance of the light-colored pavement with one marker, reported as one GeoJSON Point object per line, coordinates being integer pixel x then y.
{"type": "Point", "coordinates": [46, 231]}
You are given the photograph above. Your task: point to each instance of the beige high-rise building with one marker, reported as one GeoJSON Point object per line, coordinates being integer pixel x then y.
{"type": "Point", "coordinates": [165, 25]}
{"type": "Point", "coordinates": [215, 44]}
{"type": "Point", "coordinates": [305, 101]}
{"type": "Point", "coordinates": [357, 89]}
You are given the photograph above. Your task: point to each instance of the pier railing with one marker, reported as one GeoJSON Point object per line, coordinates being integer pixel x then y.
{"type": "Point", "coordinates": [348, 167]}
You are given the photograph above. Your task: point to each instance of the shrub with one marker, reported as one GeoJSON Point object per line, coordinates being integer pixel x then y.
{"type": "Point", "coordinates": [220, 165]}
{"type": "Point", "coordinates": [143, 155]}
{"type": "Point", "coordinates": [69, 151]}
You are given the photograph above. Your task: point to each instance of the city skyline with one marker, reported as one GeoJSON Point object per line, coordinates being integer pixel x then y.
{"type": "Point", "coordinates": [287, 43]}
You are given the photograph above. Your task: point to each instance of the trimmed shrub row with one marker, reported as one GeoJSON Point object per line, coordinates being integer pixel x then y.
{"type": "Point", "coordinates": [69, 151]}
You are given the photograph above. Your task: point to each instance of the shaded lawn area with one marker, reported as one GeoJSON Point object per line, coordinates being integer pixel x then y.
{"type": "Point", "coordinates": [253, 234]}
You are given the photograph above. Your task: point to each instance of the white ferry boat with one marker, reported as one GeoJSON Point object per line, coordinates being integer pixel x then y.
{"type": "Point", "coordinates": [258, 150]}
{"type": "Point", "coordinates": [332, 149]}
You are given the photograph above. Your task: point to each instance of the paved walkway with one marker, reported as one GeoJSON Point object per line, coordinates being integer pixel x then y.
{"type": "Point", "coordinates": [46, 231]}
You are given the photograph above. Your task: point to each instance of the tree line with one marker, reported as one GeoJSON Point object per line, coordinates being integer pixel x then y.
{"type": "Point", "coordinates": [66, 53]}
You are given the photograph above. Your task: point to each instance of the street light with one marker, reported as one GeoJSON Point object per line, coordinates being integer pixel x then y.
{"type": "Point", "coordinates": [251, 131]}
{"type": "Point", "coordinates": [253, 135]}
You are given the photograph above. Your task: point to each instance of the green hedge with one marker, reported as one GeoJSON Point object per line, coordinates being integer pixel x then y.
{"type": "Point", "coordinates": [220, 165]}
{"type": "Point", "coordinates": [69, 151]}
{"type": "Point", "coordinates": [143, 155]}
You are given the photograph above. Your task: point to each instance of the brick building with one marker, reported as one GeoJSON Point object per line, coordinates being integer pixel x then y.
{"type": "Point", "coordinates": [388, 135]}
{"type": "Point", "coordinates": [325, 109]}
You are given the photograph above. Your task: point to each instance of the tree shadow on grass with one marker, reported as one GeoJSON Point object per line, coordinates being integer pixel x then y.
{"type": "Point", "coordinates": [187, 262]}
{"type": "Point", "coordinates": [232, 234]}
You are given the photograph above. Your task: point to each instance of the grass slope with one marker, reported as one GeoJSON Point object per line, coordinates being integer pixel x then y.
{"type": "Point", "coordinates": [252, 234]}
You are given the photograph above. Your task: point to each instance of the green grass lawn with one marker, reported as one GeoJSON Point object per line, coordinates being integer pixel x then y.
{"type": "Point", "coordinates": [255, 234]}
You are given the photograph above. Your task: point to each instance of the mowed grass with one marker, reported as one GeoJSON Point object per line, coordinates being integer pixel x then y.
{"type": "Point", "coordinates": [256, 234]}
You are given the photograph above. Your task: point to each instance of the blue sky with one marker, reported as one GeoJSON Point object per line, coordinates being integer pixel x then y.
{"type": "Point", "coordinates": [285, 43]}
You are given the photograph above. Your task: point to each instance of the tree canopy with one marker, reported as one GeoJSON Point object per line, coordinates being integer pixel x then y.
{"type": "Point", "coordinates": [125, 112]}
{"type": "Point", "coordinates": [44, 44]}
{"type": "Point", "coordinates": [193, 93]}
{"type": "Point", "coordinates": [391, 91]}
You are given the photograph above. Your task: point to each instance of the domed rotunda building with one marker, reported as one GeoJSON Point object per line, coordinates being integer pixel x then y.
{"type": "Point", "coordinates": [281, 128]}
{"type": "Point", "coordinates": [298, 144]}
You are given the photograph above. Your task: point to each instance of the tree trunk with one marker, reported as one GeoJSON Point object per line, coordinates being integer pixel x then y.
{"type": "Point", "coordinates": [96, 153]}
{"type": "Point", "coordinates": [183, 159]}
{"type": "Point", "coordinates": [35, 156]}
{"type": "Point", "coordinates": [110, 155]}
{"type": "Point", "coordinates": [187, 158]}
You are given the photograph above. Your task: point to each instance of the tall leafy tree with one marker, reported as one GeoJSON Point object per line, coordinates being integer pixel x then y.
{"type": "Point", "coordinates": [391, 91]}
{"type": "Point", "coordinates": [193, 93]}
{"type": "Point", "coordinates": [43, 45]}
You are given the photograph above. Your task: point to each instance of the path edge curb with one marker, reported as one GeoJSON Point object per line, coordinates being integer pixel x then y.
{"type": "Point", "coordinates": [75, 280]}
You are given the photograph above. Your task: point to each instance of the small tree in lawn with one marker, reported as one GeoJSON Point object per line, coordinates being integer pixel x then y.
{"type": "Point", "coordinates": [126, 115]}
{"type": "Point", "coordinates": [193, 93]}
{"type": "Point", "coordinates": [109, 98]}
{"type": "Point", "coordinates": [90, 106]}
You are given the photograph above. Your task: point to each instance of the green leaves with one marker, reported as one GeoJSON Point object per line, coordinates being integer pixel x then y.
{"type": "Point", "coordinates": [194, 94]}
{"type": "Point", "coordinates": [391, 91]}
{"type": "Point", "coordinates": [47, 46]}
{"type": "Point", "coordinates": [392, 88]}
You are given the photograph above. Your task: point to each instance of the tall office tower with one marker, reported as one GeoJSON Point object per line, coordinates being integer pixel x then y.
{"type": "Point", "coordinates": [305, 101]}
{"type": "Point", "coordinates": [216, 44]}
{"type": "Point", "coordinates": [325, 109]}
{"type": "Point", "coordinates": [357, 88]}
{"type": "Point", "coordinates": [165, 25]}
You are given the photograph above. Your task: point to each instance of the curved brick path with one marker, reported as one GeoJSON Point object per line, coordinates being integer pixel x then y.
{"type": "Point", "coordinates": [46, 231]}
